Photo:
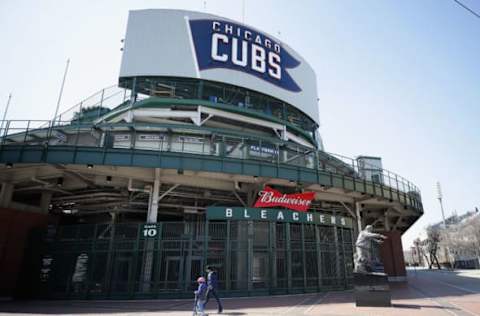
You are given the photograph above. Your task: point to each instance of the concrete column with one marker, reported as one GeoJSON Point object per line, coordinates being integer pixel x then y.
{"type": "Point", "coordinates": [153, 205]}
{"type": "Point", "coordinates": [391, 252]}
{"type": "Point", "coordinates": [6, 194]}
{"type": "Point", "coordinates": [386, 222]}
{"type": "Point", "coordinates": [358, 209]}
{"type": "Point", "coordinates": [45, 200]}
{"type": "Point", "coordinates": [150, 243]}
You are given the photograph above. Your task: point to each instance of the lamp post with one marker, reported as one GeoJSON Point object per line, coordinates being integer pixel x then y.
{"type": "Point", "coordinates": [5, 113]}
{"type": "Point", "coordinates": [440, 200]}
{"type": "Point", "coordinates": [61, 92]}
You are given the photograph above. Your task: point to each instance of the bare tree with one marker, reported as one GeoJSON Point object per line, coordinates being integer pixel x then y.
{"type": "Point", "coordinates": [432, 242]}
{"type": "Point", "coordinates": [419, 249]}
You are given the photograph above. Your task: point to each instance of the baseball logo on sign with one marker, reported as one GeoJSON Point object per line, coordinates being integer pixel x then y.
{"type": "Point", "coordinates": [221, 44]}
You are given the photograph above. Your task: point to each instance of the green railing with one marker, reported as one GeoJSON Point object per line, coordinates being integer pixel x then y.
{"type": "Point", "coordinates": [195, 140]}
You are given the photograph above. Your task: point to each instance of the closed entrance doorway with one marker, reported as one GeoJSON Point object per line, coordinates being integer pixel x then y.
{"type": "Point", "coordinates": [122, 272]}
{"type": "Point", "coordinates": [182, 273]}
{"type": "Point", "coordinates": [260, 270]}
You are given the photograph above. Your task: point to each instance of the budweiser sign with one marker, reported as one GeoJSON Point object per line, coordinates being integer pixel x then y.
{"type": "Point", "coordinates": [298, 201]}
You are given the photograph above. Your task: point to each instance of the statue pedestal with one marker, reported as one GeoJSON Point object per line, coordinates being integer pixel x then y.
{"type": "Point", "coordinates": [371, 289]}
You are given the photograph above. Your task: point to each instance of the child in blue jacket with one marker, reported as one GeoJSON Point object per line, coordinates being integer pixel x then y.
{"type": "Point", "coordinates": [201, 295]}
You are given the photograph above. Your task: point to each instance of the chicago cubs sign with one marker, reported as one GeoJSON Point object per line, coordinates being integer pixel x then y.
{"type": "Point", "coordinates": [188, 44]}
{"type": "Point", "coordinates": [221, 44]}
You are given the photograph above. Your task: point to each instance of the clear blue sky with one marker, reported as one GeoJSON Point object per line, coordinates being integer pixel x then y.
{"type": "Point", "coordinates": [396, 79]}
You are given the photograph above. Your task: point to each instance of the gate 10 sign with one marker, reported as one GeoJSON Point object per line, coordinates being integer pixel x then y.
{"type": "Point", "coordinates": [150, 230]}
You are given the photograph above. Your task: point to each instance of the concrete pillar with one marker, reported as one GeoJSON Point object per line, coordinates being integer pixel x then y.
{"type": "Point", "coordinates": [358, 209]}
{"type": "Point", "coordinates": [45, 200]}
{"type": "Point", "coordinates": [152, 216]}
{"type": "Point", "coordinates": [391, 252]}
{"type": "Point", "coordinates": [6, 194]}
{"type": "Point", "coordinates": [153, 205]}
{"type": "Point", "coordinates": [386, 222]}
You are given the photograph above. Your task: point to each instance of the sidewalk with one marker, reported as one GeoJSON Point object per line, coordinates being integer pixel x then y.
{"type": "Point", "coordinates": [427, 293]}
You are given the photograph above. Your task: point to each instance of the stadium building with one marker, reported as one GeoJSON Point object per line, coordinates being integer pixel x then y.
{"type": "Point", "coordinates": [206, 152]}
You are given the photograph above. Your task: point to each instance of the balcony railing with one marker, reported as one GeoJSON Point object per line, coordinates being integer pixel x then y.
{"type": "Point", "coordinates": [193, 140]}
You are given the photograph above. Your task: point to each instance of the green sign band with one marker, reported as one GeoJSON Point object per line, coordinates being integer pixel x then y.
{"type": "Point", "coordinates": [276, 215]}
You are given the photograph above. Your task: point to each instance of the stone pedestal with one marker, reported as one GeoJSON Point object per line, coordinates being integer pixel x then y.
{"type": "Point", "coordinates": [371, 289]}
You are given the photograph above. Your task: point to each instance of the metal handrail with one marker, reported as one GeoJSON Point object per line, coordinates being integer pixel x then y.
{"type": "Point", "coordinates": [384, 172]}
{"type": "Point", "coordinates": [100, 98]}
{"type": "Point", "coordinates": [34, 132]}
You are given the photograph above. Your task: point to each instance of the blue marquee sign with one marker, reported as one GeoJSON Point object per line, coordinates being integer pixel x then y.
{"type": "Point", "coordinates": [221, 44]}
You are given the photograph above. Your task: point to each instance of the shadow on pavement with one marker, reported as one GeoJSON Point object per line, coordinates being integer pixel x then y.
{"type": "Point", "coordinates": [233, 306]}
{"type": "Point", "coordinates": [417, 306]}
{"type": "Point", "coordinates": [422, 285]}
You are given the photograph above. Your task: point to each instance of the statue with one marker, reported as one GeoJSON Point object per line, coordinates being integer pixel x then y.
{"type": "Point", "coordinates": [364, 257]}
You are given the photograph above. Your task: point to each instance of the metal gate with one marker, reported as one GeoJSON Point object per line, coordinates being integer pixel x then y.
{"type": "Point", "coordinates": [251, 257]}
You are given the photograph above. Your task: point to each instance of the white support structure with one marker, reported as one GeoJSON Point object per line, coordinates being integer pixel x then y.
{"type": "Point", "coordinates": [153, 205]}
{"type": "Point", "coordinates": [349, 210]}
{"type": "Point", "coordinates": [6, 194]}
{"type": "Point", "coordinates": [358, 208]}
{"type": "Point", "coordinates": [166, 115]}
{"type": "Point", "coordinates": [239, 198]}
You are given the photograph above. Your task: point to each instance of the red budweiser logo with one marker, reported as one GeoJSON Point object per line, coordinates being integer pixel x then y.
{"type": "Point", "coordinates": [298, 201]}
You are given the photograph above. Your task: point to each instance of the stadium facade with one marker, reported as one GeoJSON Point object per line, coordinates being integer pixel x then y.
{"type": "Point", "coordinates": [207, 152]}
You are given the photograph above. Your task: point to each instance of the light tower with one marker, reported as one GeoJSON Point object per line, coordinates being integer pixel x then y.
{"type": "Point", "coordinates": [440, 199]}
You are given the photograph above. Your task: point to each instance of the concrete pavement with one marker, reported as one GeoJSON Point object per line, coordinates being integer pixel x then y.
{"type": "Point", "coordinates": [427, 293]}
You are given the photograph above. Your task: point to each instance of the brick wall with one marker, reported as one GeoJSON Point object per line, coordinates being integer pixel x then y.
{"type": "Point", "coordinates": [391, 252]}
{"type": "Point", "coordinates": [15, 227]}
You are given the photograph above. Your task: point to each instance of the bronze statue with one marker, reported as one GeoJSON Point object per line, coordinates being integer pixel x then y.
{"type": "Point", "coordinates": [363, 245]}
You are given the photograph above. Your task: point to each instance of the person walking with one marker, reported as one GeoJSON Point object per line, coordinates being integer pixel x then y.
{"type": "Point", "coordinates": [212, 284]}
{"type": "Point", "coordinates": [200, 297]}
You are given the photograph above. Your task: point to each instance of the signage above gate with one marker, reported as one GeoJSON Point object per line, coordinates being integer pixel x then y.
{"type": "Point", "coordinates": [297, 201]}
{"type": "Point", "coordinates": [276, 215]}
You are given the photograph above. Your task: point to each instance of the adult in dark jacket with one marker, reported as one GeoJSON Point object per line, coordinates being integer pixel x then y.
{"type": "Point", "coordinates": [212, 283]}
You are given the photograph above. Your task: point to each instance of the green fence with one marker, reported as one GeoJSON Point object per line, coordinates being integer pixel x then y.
{"type": "Point", "coordinates": [127, 261]}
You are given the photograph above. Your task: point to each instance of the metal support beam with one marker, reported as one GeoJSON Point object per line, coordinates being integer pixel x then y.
{"type": "Point", "coordinates": [76, 174]}
{"type": "Point", "coordinates": [319, 256]}
{"type": "Point", "coordinates": [289, 256]}
{"type": "Point", "coordinates": [337, 253]}
{"type": "Point", "coordinates": [239, 198]}
{"type": "Point", "coordinates": [273, 255]}
{"type": "Point", "coordinates": [399, 220]}
{"type": "Point", "coordinates": [164, 194]}
{"type": "Point", "coordinates": [349, 210]}
{"type": "Point", "coordinates": [250, 255]}
{"type": "Point", "coordinates": [304, 261]}
{"type": "Point", "coordinates": [206, 119]}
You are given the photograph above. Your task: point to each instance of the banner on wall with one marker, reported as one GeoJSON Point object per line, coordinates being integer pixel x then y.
{"type": "Point", "coordinates": [269, 197]}
{"type": "Point", "coordinates": [276, 215]}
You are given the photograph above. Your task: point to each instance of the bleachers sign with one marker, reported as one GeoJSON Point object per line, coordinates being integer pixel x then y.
{"type": "Point", "coordinates": [276, 215]}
